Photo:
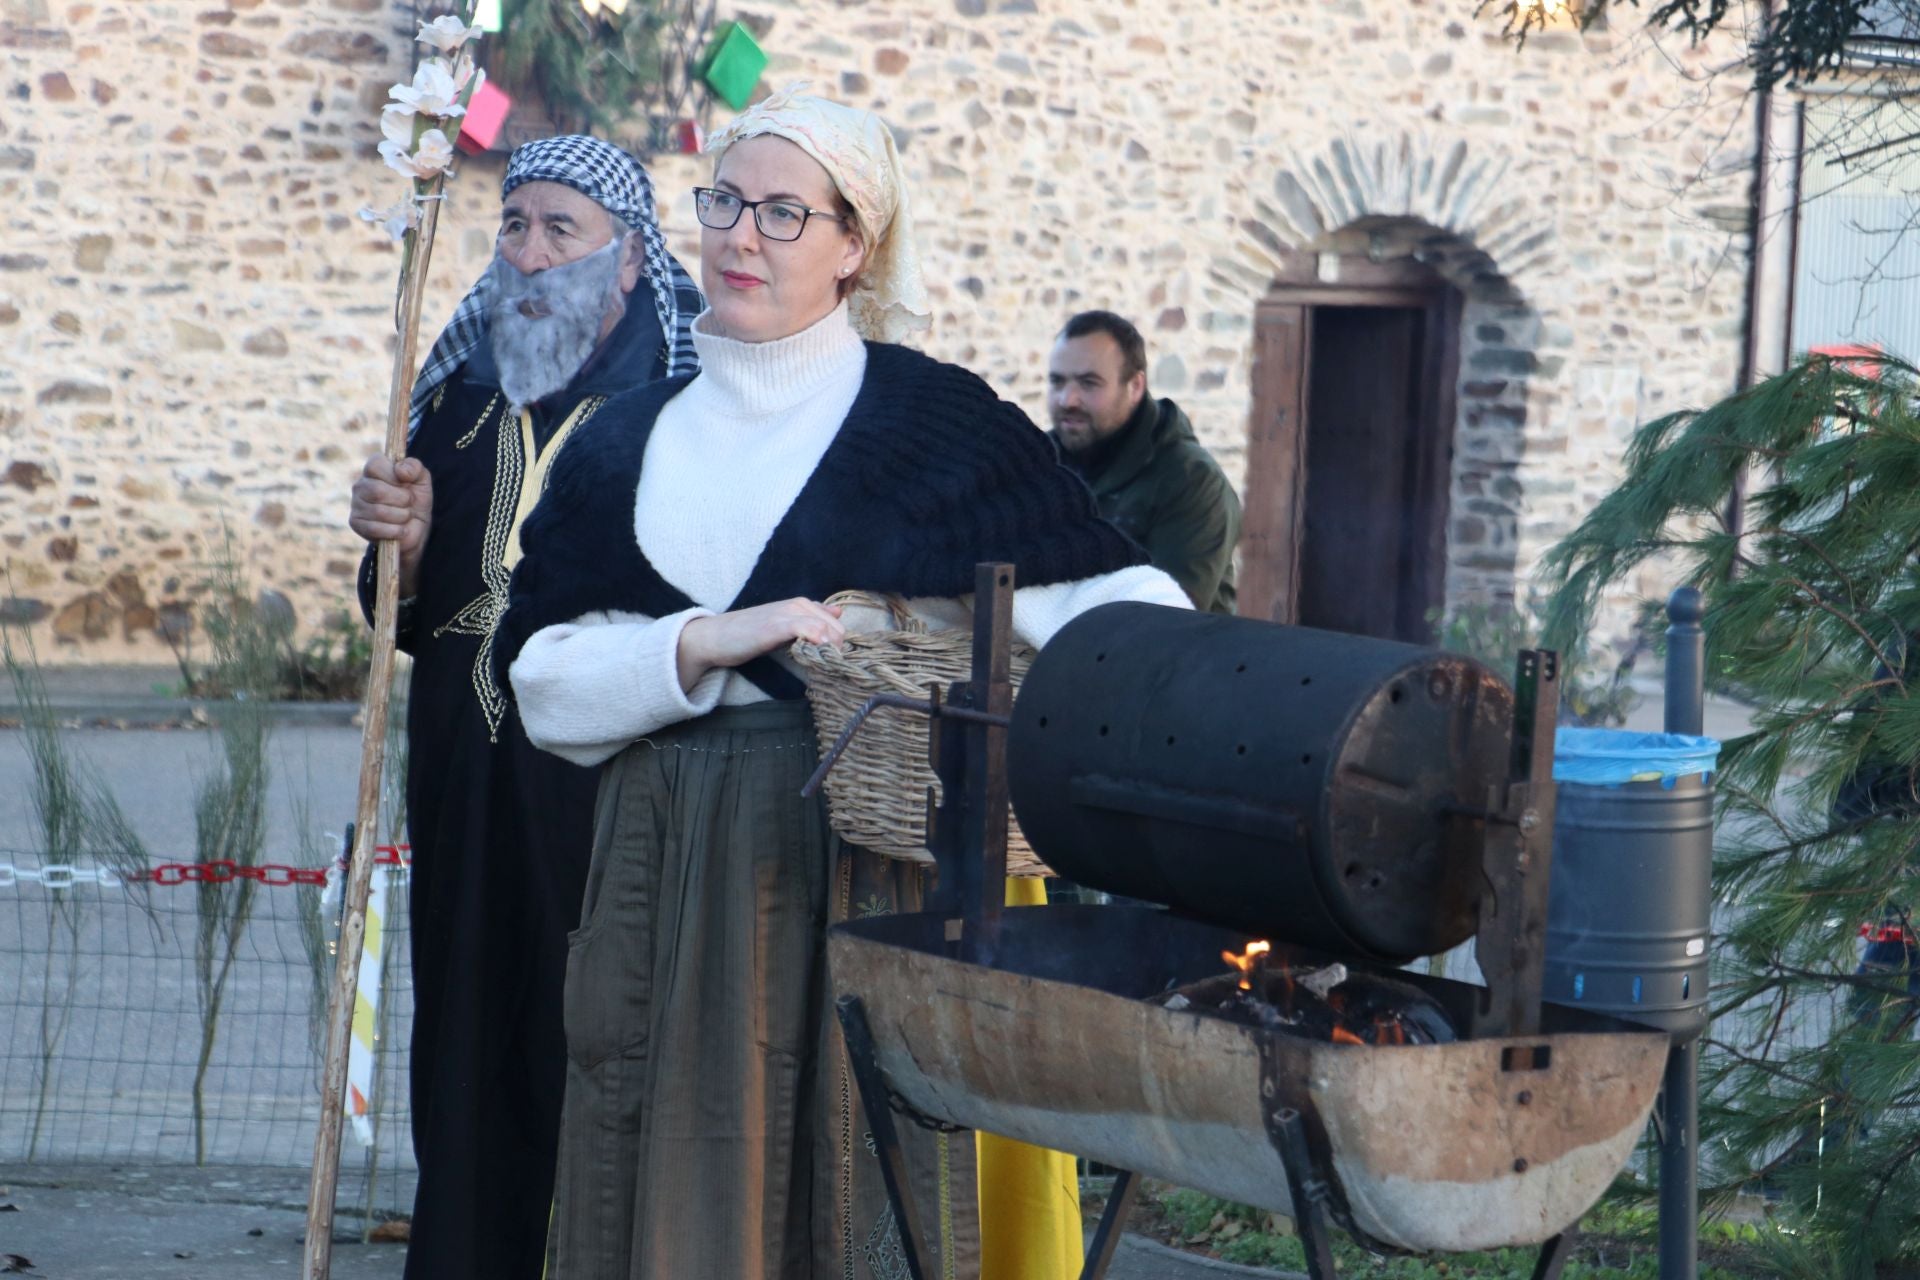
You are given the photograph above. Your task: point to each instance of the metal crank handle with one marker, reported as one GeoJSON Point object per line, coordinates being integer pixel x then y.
{"type": "Point", "coordinates": [900, 701]}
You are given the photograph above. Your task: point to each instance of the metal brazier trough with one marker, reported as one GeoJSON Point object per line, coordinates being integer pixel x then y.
{"type": "Point", "coordinates": [1068, 1026]}
{"type": "Point", "coordinates": [1469, 1145]}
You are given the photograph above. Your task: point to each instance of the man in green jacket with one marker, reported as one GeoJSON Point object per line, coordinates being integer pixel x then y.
{"type": "Point", "coordinates": [1139, 455]}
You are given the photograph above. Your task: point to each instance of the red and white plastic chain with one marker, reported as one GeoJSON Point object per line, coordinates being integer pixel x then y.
{"type": "Point", "coordinates": [267, 873]}
{"type": "Point", "coordinates": [274, 874]}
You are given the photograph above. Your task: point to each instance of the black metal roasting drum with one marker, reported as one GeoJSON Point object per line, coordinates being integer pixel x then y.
{"type": "Point", "coordinates": [1298, 784]}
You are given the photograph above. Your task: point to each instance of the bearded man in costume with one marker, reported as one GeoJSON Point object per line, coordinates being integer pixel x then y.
{"type": "Point", "coordinates": [582, 301]}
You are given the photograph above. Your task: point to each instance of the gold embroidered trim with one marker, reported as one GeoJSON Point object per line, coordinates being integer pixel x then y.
{"type": "Point", "coordinates": [947, 1266]}
{"type": "Point", "coordinates": [536, 482]}
{"type": "Point", "coordinates": [516, 490]}
{"type": "Point", "coordinates": [474, 430]}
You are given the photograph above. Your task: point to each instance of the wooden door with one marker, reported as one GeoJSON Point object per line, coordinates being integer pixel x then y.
{"type": "Point", "coordinates": [1349, 458]}
{"type": "Point", "coordinates": [1356, 558]}
{"type": "Point", "coordinates": [1270, 530]}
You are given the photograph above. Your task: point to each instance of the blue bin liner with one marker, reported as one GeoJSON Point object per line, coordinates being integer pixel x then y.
{"type": "Point", "coordinates": [1613, 757]}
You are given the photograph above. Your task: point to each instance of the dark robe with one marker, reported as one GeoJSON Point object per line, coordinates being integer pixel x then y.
{"type": "Point", "coordinates": [501, 835]}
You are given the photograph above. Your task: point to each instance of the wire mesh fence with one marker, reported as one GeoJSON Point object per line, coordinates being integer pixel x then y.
{"type": "Point", "coordinates": [178, 1017]}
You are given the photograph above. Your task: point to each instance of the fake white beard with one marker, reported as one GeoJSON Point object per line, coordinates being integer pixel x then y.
{"type": "Point", "coordinates": [539, 355]}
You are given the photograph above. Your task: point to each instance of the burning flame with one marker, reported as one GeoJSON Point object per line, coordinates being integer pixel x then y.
{"type": "Point", "coordinates": [1246, 960]}
{"type": "Point", "coordinates": [1352, 1022]}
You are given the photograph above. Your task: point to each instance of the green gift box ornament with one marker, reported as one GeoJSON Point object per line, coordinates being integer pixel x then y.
{"type": "Point", "coordinates": [732, 64]}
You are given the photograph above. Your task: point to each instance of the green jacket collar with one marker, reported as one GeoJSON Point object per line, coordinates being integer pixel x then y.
{"type": "Point", "coordinates": [1119, 461]}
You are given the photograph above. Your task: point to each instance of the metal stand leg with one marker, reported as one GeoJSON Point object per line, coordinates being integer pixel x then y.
{"type": "Point", "coordinates": [1679, 1164]}
{"type": "Point", "coordinates": [1106, 1236]}
{"type": "Point", "coordinates": [1309, 1193]}
{"type": "Point", "coordinates": [886, 1139]}
{"type": "Point", "coordinates": [1553, 1255]}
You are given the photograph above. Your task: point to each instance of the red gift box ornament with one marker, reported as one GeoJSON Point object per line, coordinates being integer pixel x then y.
{"type": "Point", "coordinates": [486, 116]}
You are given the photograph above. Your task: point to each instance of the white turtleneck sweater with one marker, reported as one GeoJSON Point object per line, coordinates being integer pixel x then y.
{"type": "Point", "coordinates": [727, 458]}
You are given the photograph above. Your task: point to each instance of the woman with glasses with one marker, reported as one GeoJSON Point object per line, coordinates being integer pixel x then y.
{"type": "Point", "coordinates": [685, 541]}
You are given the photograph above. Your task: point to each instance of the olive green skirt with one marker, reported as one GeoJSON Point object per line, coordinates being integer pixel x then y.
{"type": "Point", "coordinates": [711, 1129]}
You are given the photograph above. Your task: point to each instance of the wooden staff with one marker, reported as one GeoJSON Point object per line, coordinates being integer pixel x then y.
{"type": "Point", "coordinates": [373, 760]}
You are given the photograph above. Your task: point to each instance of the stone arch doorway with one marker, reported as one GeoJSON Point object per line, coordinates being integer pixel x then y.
{"type": "Point", "coordinates": [1353, 229]}
{"type": "Point", "coordinates": [1350, 445]}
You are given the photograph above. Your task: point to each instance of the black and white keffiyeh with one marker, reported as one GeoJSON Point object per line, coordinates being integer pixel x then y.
{"type": "Point", "coordinates": [615, 181]}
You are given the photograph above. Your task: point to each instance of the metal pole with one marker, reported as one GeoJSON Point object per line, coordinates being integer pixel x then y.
{"type": "Point", "coordinates": [1680, 1091]}
{"type": "Point", "coordinates": [1686, 662]}
{"type": "Point", "coordinates": [1680, 1164]}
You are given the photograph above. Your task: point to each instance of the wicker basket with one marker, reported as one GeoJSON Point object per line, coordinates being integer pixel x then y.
{"type": "Point", "coordinates": [877, 793]}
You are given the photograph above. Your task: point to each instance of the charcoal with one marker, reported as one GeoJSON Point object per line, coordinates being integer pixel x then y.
{"type": "Point", "coordinates": [1362, 1008]}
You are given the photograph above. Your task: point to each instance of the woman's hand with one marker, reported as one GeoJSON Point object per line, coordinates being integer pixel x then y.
{"type": "Point", "coordinates": [730, 639]}
{"type": "Point", "coordinates": [394, 502]}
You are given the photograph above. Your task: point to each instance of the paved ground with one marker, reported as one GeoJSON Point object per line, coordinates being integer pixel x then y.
{"type": "Point", "coordinates": [98, 1223]}
{"type": "Point", "coordinates": [151, 749]}
{"type": "Point", "coordinates": [153, 774]}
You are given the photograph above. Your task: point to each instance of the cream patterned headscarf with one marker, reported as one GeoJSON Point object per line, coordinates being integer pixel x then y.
{"type": "Point", "coordinates": [857, 151]}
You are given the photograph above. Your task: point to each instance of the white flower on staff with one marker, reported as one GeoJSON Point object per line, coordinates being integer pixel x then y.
{"type": "Point", "coordinates": [435, 153]}
{"type": "Point", "coordinates": [396, 125]}
{"type": "Point", "coordinates": [396, 220]}
{"type": "Point", "coordinates": [464, 71]}
{"type": "Point", "coordinates": [447, 33]}
{"type": "Point", "coordinates": [433, 91]}
{"type": "Point", "coordinates": [431, 158]}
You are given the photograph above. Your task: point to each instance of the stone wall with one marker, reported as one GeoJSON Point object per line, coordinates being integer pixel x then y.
{"type": "Point", "coordinates": [196, 326]}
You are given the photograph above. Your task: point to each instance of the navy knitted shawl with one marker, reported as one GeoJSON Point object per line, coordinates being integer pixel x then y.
{"type": "Point", "coordinates": [931, 474]}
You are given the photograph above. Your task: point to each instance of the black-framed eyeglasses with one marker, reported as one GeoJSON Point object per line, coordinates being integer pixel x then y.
{"type": "Point", "coordinates": [777, 219]}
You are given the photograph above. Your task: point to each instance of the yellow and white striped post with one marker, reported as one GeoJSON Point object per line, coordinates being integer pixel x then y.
{"type": "Point", "coordinates": [362, 1049]}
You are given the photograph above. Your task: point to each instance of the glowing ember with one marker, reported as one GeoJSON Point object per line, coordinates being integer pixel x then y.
{"type": "Point", "coordinates": [1246, 961]}
{"type": "Point", "coordinates": [1328, 1002]}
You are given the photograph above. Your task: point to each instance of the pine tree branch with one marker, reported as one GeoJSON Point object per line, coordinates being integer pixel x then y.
{"type": "Point", "coordinates": [1766, 1066]}
{"type": "Point", "coordinates": [1814, 548]}
{"type": "Point", "coordinates": [1748, 449]}
{"type": "Point", "coordinates": [1779, 1162]}
{"type": "Point", "coordinates": [1766, 811]}
{"type": "Point", "coordinates": [1886, 1176]}
{"type": "Point", "coordinates": [1831, 894]}
{"type": "Point", "coordinates": [1839, 701]}
{"type": "Point", "coordinates": [1820, 602]}
{"type": "Point", "coordinates": [1857, 981]}
{"type": "Point", "coordinates": [1750, 992]}
{"type": "Point", "coordinates": [1779, 1020]}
